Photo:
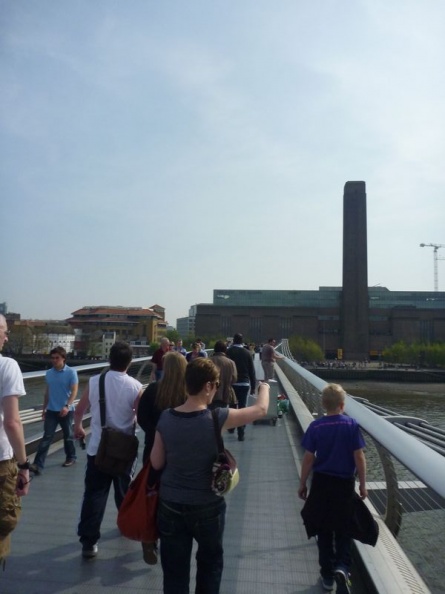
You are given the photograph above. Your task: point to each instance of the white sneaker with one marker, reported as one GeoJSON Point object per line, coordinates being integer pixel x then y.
{"type": "Point", "coordinates": [89, 551]}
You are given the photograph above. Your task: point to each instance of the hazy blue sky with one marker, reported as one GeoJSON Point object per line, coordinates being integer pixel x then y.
{"type": "Point", "coordinates": [152, 151]}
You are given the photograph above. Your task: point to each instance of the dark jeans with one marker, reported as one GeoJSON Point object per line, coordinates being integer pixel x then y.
{"type": "Point", "coordinates": [242, 393]}
{"type": "Point", "coordinates": [52, 419]}
{"type": "Point", "coordinates": [97, 488]}
{"type": "Point", "coordinates": [334, 550]}
{"type": "Point", "coordinates": [178, 525]}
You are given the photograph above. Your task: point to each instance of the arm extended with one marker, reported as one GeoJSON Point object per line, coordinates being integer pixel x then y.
{"type": "Point", "coordinates": [243, 416]}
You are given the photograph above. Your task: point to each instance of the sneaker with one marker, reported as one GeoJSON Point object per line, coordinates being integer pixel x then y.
{"type": "Point", "coordinates": [150, 553]}
{"type": "Point", "coordinates": [69, 462]}
{"type": "Point", "coordinates": [343, 582]}
{"type": "Point", "coordinates": [89, 551]}
{"type": "Point", "coordinates": [327, 583]}
{"type": "Point", "coordinates": [35, 469]}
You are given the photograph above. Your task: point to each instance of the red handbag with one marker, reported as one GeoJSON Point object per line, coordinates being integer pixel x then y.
{"type": "Point", "coordinates": [136, 518]}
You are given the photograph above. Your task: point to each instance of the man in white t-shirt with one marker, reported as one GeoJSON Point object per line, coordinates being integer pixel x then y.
{"type": "Point", "coordinates": [122, 394]}
{"type": "Point", "coordinates": [14, 465]}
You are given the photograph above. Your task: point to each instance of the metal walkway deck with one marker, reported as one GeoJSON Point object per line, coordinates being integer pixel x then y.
{"type": "Point", "coordinates": [266, 548]}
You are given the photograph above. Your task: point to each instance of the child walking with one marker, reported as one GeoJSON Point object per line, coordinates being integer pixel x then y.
{"type": "Point", "coordinates": [334, 451]}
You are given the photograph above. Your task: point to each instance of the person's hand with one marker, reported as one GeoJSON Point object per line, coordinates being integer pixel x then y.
{"type": "Point", "coordinates": [302, 492]}
{"type": "Point", "coordinates": [22, 485]}
{"type": "Point", "coordinates": [363, 492]}
{"type": "Point", "coordinates": [79, 433]}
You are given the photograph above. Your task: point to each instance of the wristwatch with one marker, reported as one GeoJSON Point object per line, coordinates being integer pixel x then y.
{"type": "Point", "coordinates": [25, 465]}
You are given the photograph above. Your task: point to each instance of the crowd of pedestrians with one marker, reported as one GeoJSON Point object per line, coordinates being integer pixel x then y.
{"type": "Point", "coordinates": [175, 413]}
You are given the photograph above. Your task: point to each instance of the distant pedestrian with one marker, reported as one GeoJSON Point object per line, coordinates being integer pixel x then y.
{"type": "Point", "coordinates": [196, 352]}
{"type": "Point", "coordinates": [122, 394]}
{"type": "Point", "coordinates": [225, 394]}
{"type": "Point", "coordinates": [60, 392]}
{"type": "Point", "coordinates": [268, 358]}
{"type": "Point", "coordinates": [246, 380]}
{"type": "Point", "coordinates": [179, 348]}
{"type": "Point", "coordinates": [157, 357]}
{"type": "Point", "coordinates": [203, 346]}
{"type": "Point", "coordinates": [14, 465]}
{"type": "Point", "coordinates": [334, 451]}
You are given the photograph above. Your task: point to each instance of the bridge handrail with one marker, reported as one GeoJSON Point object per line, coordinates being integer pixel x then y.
{"type": "Point", "coordinates": [79, 368]}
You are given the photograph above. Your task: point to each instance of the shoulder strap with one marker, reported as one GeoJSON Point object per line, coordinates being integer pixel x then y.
{"type": "Point", "coordinates": [218, 437]}
{"type": "Point", "coordinates": [102, 398]}
{"type": "Point", "coordinates": [103, 419]}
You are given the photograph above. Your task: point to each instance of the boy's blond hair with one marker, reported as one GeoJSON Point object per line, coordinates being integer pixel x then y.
{"type": "Point", "coordinates": [332, 397]}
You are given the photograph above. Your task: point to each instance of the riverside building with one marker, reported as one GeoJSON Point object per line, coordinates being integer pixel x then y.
{"type": "Point", "coordinates": [354, 321]}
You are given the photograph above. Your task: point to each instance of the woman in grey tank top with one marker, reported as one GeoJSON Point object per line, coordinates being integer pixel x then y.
{"type": "Point", "coordinates": [185, 448]}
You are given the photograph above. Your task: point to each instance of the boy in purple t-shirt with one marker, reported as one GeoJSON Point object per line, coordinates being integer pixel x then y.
{"type": "Point", "coordinates": [334, 451]}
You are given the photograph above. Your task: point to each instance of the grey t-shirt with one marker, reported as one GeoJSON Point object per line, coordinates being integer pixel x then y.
{"type": "Point", "coordinates": [190, 449]}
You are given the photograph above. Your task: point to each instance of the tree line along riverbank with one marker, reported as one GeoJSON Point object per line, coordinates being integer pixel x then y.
{"type": "Point", "coordinates": [380, 375]}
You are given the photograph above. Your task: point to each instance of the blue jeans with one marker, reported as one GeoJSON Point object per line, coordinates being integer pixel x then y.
{"type": "Point", "coordinates": [97, 488]}
{"type": "Point", "coordinates": [242, 393]}
{"type": "Point", "coordinates": [178, 525]}
{"type": "Point", "coordinates": [52, 419]}
{"type": "Point", "coordinates": [334, 550]}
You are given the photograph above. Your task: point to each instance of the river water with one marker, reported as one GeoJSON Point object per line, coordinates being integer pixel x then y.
{"type": "Point", "coordinates": [426, 401]}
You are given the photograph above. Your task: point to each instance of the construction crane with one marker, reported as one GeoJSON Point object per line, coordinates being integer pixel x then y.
{"type": "Point", "coordinates": [436, 247]}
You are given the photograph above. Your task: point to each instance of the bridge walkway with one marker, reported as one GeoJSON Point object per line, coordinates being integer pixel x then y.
{"type": "Point", "coordinates": [266, 548]}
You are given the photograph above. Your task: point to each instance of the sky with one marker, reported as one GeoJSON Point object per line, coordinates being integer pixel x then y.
{"type": "Point", "coordinates": [151, 152]}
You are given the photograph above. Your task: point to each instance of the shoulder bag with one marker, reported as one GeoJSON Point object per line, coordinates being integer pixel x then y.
{"type": "Point", "coordinates": [117, 450]}
{"type": "Point", "coordinates": [225, 475]}
{"type": "Point", "coordinates": [136, 518]}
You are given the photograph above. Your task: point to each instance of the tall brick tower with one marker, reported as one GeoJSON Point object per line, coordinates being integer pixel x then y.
{"type": "Point", "coordinates": [355, 305]}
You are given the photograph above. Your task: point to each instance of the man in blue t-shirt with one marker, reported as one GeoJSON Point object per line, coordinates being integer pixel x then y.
{"type": "Point", "coordinates": [334, 451]}
{"type": "Point", "coordinates": [61, 391]}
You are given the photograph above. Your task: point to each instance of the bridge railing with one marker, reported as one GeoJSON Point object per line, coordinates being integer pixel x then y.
{"type": "Point", "coordinates": [406, 485]}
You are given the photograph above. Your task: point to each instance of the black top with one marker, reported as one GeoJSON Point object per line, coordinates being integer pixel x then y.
{"type": "Point", "coordinates": [244, 365]}
{"type": "Point", "coordinates": [148, 414]}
